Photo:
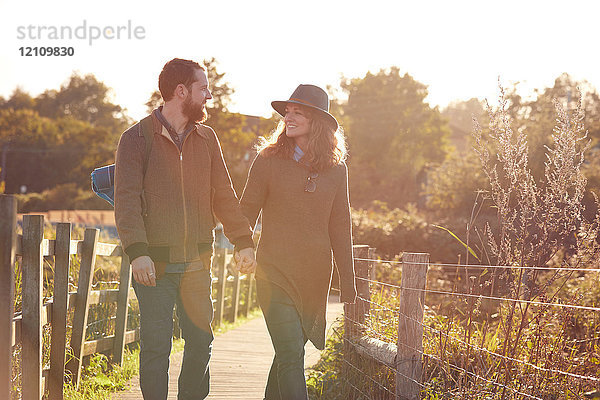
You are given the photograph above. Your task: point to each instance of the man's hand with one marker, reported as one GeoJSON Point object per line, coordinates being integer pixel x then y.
{"type": "Point", "coordinates": [143, 270]}
{"type": "Point", "coordinates": [245, 260]}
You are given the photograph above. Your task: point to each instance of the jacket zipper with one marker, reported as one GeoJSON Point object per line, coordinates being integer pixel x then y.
{"type": "Point", "coordinates": [185, 259]}
{"type": "Point", "coordinates": [184, 207]}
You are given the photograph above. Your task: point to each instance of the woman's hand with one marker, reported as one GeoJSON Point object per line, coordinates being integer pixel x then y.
{"type": "Point", "coordinates": [245, 260]}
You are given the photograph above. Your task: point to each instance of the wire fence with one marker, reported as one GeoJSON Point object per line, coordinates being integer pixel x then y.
{"type": "Point", "coordinates": [483, 266]}
{"type": "Point", "coordinates": [479, 296]}
{"type": "Point", "coordinates": [488, 336]}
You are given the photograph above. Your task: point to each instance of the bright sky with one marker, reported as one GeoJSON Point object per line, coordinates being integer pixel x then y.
{"type": "Point", "coordinates": [266, 48]}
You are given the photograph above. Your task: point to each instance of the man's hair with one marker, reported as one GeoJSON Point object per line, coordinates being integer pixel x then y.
{"type": "Point", "coordinates": [175, 72]}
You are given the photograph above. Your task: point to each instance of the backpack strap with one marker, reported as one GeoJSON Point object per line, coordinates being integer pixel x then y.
{"type": "Point", "coordinates": [147, 129]}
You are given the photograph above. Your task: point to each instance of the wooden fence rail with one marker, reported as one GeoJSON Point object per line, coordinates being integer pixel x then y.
{"type": "Point", "coordinates": [406, 355]}
{"type": "Point", "coordinates": [26, 328]}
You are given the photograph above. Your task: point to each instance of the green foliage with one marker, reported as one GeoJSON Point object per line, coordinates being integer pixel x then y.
{"type": "Point", "coordinates": [393, 134]}
{"type": "Point", "coordinates": [323, 380]}
{"type": "Point", "coordinates": [59, 136]}
{"type": "Point", "coordinates": [221, 91]}
{"type": "Point", "coordinates": [100, 379]}
{"type": "Point", "coordinates": [61, 197]}
{"type": "Point", "coordinates": [18, 100]}
{"type": "Point", "coordinates": [236, 142]}
{"type": "Point", "coordinates": [514, 347]}
{"type": "Point", "coordinates": [536, 217]}
{"type": "Point", "coordinates": [86, 99]}
{"type": "Point", "coordinates": [237, 132]}
{"type": "Point", "coordinates": [463, 335]}
{"type": "Point", "coordinates": [460, 116]}
{"type": "Point", "coordinates": [451, 188]}
{"type": "Point", "coordinates": [466, 246]}
{"type": "Point", "coordinates": [537, 117]}
{"type": "Point", "coordinates": [394, 231]}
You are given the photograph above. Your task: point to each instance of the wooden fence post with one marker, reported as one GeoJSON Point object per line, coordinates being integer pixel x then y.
{"type": "Point", "coordinates": [31, 331]}
{"type": "Point", "coordinates": [249, 299]}
{"type": "Point", "coordinates": [86, 275]}
{"type": "Point", "coordinates": [354, 314]}
{"type": "Point", "coordinates": [59, 310]}
{"type": "Point", "coordinates": [8, 245]}
{"type": "Point", "coordinates": [236, 296]}
{"type": "Point", "coordinates": [410, 325]}
{"type": "Point", "coordinates": [221, 284]}
{"type": "Point", "coordinates": [122, 308]}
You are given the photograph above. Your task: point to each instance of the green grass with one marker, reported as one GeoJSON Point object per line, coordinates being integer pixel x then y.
{"type": "Point", "coordinates": [323, 380]}
{"type": "Point", "coordinates": [559, 340]}
{"type": "Point", "coordinates": [100, 380]}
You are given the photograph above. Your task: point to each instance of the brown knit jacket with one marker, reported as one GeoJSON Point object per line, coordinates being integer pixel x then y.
{"type": "Point", "coordinates": [300, 231]}
{"type": "Point", "coordinates": [168, 212]}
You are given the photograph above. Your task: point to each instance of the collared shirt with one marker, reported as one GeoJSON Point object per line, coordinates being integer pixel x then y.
{"type": "Point", "coordinates": [298, 153]}
{"type": "Point", "coordinates": [177, 138]}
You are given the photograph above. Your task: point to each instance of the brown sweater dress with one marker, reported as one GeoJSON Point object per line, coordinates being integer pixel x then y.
{"type": "Point", "coordinates": [299, 232]}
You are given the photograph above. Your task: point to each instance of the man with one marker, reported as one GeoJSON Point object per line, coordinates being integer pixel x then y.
{"type": "Point", "coordinates": [165, 202]}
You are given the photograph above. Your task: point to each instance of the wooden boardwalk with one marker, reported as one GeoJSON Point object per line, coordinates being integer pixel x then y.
{"type": "Point", "coordinates": [240, 361]}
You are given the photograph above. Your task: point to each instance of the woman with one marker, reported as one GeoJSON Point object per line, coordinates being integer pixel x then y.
{"type": "Point", "coordinates": [299, 182]}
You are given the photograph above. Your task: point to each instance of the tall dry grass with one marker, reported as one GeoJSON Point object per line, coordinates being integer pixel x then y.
{"type": "Point", "coordinates": [513, 348]}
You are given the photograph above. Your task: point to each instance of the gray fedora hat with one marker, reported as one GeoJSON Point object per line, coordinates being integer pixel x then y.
{"type": "Point", "coordinates": [310, 96]}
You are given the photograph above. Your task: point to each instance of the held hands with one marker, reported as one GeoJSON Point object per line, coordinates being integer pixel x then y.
{"type": "Point", "coordinates": [143, 270]}
{"type": "Point", "coordinates": [245, 261]}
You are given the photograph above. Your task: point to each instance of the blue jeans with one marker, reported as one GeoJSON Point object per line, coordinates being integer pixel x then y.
{"type": "Point", "coordinates": [191, 292]}
{"type": "Point", "coordinates": [286, 378]}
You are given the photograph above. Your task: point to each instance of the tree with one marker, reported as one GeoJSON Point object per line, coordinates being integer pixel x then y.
{"type": "Point", "coordinates": [460, 119]}
{"type": "Point", "coordinates": [236, 131]}
{"type": "Point", "coordinates": [18, 100]}
{"type": "Point", "coordinates": [220, 90]}
{"type": "Point", "coordinates": [451, 187]}
{"type": "Point", "coordinates": [393, 134]}
{"type": "Point", "coordinates": [84, 98]}
{"type": "Point", "coordinates": [537, 117]}
{"type": "Point", "coordinates": [41, 152]}
{"type": "Point", "coordinates": [59, 136]}
{"type": "Point", "coordinates": [154, 101]}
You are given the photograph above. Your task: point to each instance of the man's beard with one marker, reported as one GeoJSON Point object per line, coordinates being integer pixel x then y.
{"type": "Point", "coordinates": [193, 111]}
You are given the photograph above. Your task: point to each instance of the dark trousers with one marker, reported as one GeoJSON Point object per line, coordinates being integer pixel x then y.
{"type": "Point", "coordinates": [286, 378]}
{"type": "Point", "coordinates": [191, 292]}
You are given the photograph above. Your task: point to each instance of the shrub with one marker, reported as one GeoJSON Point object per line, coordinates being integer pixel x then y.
{"type": "Point", "coordinates": [394, 231]}
{"type": "Point", "coordinates": [61, 197]}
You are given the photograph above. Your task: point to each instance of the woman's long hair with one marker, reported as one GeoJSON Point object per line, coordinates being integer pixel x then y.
{"type": "Point", "coordinates": [326, 145]}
